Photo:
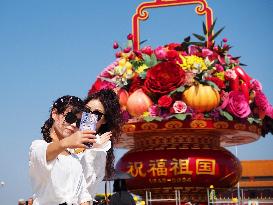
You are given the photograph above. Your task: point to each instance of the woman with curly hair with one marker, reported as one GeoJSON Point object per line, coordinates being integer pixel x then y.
{"type": "Point", "coordinates": [99, 162]}
{"type": "Point", "coordinates": [56, 173]}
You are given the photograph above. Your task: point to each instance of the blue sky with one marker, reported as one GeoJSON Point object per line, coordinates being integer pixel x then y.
{"type": "Point", "coordinates": [53, 48]}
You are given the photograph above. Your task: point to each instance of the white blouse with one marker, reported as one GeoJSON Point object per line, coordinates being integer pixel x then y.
{"type": "Point", "coordinates": [58, 181]}
{"type": "Point", "coordinates": [93, 163]}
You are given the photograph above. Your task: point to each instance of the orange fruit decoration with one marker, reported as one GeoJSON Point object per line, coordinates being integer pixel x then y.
{"type": "Point", "coordinates": [201, 98]}
{"type": "Point", "coordinates": [138, 103]}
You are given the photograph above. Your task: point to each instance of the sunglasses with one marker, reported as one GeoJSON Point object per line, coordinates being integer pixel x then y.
{"type": "Point", "coordinates": [71, 118]}
{"type": "Point", "coordinates": [95, 112]}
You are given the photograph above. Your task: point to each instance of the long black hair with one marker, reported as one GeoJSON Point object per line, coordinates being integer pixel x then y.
{"type": "Point", "coordinates": [60, 105]}
{"type": "Point", "coordinates": [113, 117]}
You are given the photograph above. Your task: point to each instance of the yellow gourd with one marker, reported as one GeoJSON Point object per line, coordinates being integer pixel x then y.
{"type": "Point", "coordinates": [201, 98]}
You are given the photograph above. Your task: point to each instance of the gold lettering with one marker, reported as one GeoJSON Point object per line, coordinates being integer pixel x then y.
{"type": "Point", "coordinates": [136, 169]}
{"type": "Point", "coordinates": [205, 166]}
{"type": "Point", "coordinates": [158, 167]}
{"type": "Point", "coordinates": [180, 166]}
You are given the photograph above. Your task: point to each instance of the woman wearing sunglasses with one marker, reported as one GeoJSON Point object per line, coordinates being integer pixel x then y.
{"type": "Point", "coordinates": [99, 162]}
{"type": "Point", "coordinates": [56, 173]}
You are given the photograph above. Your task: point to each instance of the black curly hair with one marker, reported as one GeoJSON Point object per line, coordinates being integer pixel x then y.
{"type": "Point", "coordinates": [60, 105]}
{"type": "Point", "coordinates": [113, 116]}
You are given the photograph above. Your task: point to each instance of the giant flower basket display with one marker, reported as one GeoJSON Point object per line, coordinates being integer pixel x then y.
{"type": "Point", "coordinates": [183, 102]}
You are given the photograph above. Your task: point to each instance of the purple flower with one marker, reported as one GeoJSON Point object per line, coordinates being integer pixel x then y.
{"type": "Point", "coordinates": [154, 110]}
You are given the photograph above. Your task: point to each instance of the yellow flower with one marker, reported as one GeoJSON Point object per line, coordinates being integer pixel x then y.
{"type": "Point", "coordinates": [122, 62]}
{"type": "Point", "coordinates": [192, 62]}
{"type": "Point", "coordinates": [146, 114]}
{"type": "Point", "coordinates": [141, 68]}
{"type": "Point", "coordinates": [128, 65]}
{"type": "Point", "coordinates": [220, 75]}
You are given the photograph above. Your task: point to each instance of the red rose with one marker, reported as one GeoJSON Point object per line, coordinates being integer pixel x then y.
{"type": "Point", "coordinates": [99, 85]}
{"type": "Point", "coordinates": [217, 81]}
{"type": "Point", "coordinates": [164, 78]}
{"type": "Point", "coordinates": [171, 54]}
{"type": "Point", "coordinates": [165, 101]}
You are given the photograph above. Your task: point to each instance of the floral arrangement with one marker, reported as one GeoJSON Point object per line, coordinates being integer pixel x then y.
{"type": "Point", "coordinates": [188, 80]}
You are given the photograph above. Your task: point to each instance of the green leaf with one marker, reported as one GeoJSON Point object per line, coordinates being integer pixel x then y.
{"type": "Point", "coordinates": [212, 27]}
{"type": "Point", "coordinates": [212, 84]}
{"type": "Point", "coordinates": [199, 37]}
{"type": "Point", "coordinates": [187, 39]}
{"type": "Point", "coordinates": [148, 118]}
{"type": "Point", "coordinates": [153, 60]}
{"type": "Point", "coordinates": [158, 118]}
{"type": "Point", "coordinates": [147, 59]}
{"type": "Point", "coordinates": [204, 28]}
{"type": "Point", "coordinates": [236, 58]}
{"type": "Point", "coordinates": [226, 115]}
{"type": "Point", "coordinates": [141, 42]}
{"type": "Point", "coordinates": [179, 89]}
{"type": "Point", "coordinates": [198, 43]}
{"type": "Point", "coordinates": [180, 116]}
{"type": "Point", "coordinates": [185, 46]}
{"type": "Point", "coordinates": [151, 118]}
{"type": "Point", "coordinates": [251, 120]}
{"type": "Point", "coordinates": [217, 33]}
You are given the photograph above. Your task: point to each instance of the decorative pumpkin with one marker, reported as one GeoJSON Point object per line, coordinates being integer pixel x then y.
{"type": "Point", "coordinates": [138, 102]}
{"type": "Point", "coordinates": [123, 98]}
{"type": "Point", "coordinates": [201, 98]}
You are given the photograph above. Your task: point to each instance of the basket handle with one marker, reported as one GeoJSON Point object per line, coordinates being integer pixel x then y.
{"type": "Point", "coordinates": [201, 9]}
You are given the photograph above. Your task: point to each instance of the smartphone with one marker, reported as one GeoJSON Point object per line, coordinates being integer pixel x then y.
{"type": "Point", "coordinates": [88, 122]}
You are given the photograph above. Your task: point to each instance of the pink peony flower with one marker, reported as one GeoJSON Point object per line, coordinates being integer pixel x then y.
{"type": "Point", "coordinates": [160, 53]}
{"type": "Point", "coordinates": [256, 85]}
{"type": "Point", "coordinates": [236, 104]}
{"type": "Point", "coordinates": [179, 107]}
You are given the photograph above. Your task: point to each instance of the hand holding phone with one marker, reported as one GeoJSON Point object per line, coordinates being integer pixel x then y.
{"type": "Point", "coordinates": [88, 122]}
